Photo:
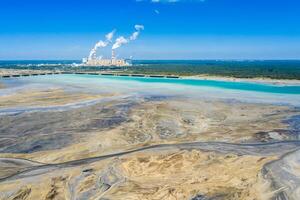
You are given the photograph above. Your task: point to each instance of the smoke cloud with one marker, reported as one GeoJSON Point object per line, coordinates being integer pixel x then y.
{"type": "Point", "coordinates": [109, 36]}
{"type": "Point", "coordinates": [102, 44]}
{"type": "Point", "coordinates": [119, 42]}
{"type": "Point", "coordinates": [122, 40]}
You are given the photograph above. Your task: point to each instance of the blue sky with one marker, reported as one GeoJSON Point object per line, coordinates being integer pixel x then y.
{"type": "Point", "coordinates": [182, 29]}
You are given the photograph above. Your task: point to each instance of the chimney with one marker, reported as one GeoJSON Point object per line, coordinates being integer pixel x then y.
{"type": "Point", "coordinates": [113, 55]}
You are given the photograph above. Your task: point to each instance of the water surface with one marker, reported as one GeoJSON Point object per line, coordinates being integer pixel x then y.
{"type": "Point", "coordinates": [240, 91]}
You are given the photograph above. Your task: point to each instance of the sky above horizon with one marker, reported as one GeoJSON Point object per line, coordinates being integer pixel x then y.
{"type": "Point", "coordinates": [174, 29]}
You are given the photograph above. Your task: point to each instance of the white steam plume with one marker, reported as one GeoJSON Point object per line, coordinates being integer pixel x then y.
{"type": "Point", "coordinates": [138, 29]}
{"type": "Point", "coordinates": [121, 40]}
{"type": "Point", "coordinates": [101, 44]}
{"type": "Point", "coordinates": [109, 36]}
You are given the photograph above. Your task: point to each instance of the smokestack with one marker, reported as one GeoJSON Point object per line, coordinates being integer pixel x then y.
{"type": "Point", "coordinates": [101, 44]}
{"type": "Point", "coordinates": [113, 57]}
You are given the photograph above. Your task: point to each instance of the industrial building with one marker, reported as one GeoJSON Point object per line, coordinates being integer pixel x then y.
{"type": "Point", "coordinates": [94, 61]}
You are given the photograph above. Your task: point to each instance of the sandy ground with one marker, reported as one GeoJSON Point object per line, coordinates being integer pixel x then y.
{"type": "Point", "coordinates": [45, 141]}
{"type": "Point", "coordinates": [148, 123]}
{"type": "Point", "coordinates": [150, 175]}
{"type": "Point", "coordinates": [51, 97]}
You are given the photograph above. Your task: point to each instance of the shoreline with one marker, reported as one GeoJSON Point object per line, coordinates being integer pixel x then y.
{"type": "Point", "coordinates": [260, 80]}
{"type": "Point", "coordinates": [279, 82]}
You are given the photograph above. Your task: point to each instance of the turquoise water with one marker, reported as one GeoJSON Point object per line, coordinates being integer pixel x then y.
{"type": "Point", "coordinates": [242, 86]}
{"type": "Point", "coordinates": [145, 86]}
{"type": "Point", "coordinates": [196, 83]}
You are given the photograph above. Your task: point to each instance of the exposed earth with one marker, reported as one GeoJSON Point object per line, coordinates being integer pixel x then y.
{"type": "Point", "coordinates": [57, 143]}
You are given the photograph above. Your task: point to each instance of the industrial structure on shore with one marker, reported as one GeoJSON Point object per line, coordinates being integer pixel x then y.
{"type": "Point", "coordinates": [95, 61]}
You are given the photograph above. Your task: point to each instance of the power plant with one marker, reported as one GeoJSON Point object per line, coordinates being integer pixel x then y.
{"type": "Point", "coordinates": [93, 60]}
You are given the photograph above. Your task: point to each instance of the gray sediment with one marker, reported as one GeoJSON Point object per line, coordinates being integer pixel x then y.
{"type": "Point", "coordinates": [284, 176]}
{"type": "Point", "coordinates": [265, 149]}
{"type": "Point", "coordinates": [29, 132]}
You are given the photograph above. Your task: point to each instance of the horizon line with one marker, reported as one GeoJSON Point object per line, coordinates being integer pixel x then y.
{"type": "Point", "coordinates": [204, 59]}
